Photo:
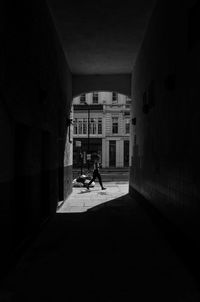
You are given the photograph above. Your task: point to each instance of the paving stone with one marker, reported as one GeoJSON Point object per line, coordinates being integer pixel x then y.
{"type": "Point", "coordinates": [81, 200]}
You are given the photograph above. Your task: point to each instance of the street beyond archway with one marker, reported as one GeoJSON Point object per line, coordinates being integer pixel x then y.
{"type": "Point", "coordinates": [108, 174]}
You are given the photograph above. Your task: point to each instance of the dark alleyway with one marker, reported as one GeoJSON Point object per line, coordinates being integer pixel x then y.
{"type": "Point", "coordinates": [113, 252]}
{"type": "Point", "coordinates": [125, 249]}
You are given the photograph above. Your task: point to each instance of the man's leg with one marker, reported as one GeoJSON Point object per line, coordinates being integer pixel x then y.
{"type": "Point", "coordinates": [100, 181]}
{"type": "Point", "coordinates": [93, 179]}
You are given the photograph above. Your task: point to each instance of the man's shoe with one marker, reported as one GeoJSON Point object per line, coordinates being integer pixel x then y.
{"type": "Point", "coordinates": [103, 188]}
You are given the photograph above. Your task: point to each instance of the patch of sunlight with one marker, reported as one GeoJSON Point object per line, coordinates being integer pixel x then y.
{"type": "Point", "coordinates": [82, 200]}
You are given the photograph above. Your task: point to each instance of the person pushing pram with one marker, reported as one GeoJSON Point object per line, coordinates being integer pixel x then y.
{"type": "Point", "coordinates": [96, 173]}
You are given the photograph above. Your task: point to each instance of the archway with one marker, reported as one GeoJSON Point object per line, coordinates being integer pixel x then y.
{"type": "Point", "coordinates": [101, 125]}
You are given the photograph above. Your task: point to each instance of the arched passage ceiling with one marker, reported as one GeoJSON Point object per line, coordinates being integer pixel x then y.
{"type": "Point", "coordinates": [101, 37]}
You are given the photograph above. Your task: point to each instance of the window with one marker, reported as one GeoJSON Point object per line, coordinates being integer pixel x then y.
{"type": "Point", "coordinates": [80, 126]}
{"type": "Point", "coordinates": [128, 102]}
{"type": "Point", "coordinates": [95, 98]}
{"type": "Point", "coordinates": [115, 125]}
{"type": "Point", "coordinates": [114, 97]}
{"type": "Point", "coordinates": [75, 126]}
{"type": "Point", "coordinates": [127, 126]}
{"type": "Point", "coordinates": [82, 98]}
{"type": "Point", "coordinates": [84, 126]}
{"type": "Point", "coordinates": [100, 126]}
{"type": "Point", "coordinates": [93, 126]}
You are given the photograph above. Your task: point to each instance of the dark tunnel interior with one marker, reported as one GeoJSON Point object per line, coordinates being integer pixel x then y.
{"type": "Point", "coordinates": [51, 51]}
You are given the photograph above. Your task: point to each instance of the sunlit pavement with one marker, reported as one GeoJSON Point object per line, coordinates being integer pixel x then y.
{"type": "Point", "coordinates": [81, 199]}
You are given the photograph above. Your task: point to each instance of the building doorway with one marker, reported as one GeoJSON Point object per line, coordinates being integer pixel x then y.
{"type": "Point", "coordinates": [126, 153]}
{"type": "Point", "coordinates": [112, 153]}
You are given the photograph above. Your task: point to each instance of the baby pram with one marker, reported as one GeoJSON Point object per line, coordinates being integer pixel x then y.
{"type": "Point", "coordinates": [82, 180]}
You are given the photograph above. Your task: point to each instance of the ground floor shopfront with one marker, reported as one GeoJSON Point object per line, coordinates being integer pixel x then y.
{"type": "Point", "coordinates": [113, 152]}
{"type": "Point", "coordinates": [82, 147]}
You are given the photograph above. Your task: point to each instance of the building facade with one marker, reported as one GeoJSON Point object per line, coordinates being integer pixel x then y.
{"type": "Point", "coordinates": [101, 124]}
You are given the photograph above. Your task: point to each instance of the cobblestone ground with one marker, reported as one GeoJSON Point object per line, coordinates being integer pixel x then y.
{"type": "Point", "coordinates": [81, 199]}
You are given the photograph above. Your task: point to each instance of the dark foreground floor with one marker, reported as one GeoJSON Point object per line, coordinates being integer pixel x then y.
{"type": "Point", "coordinates": [113, 252]}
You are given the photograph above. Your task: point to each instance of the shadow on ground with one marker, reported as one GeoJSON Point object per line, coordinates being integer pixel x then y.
{"type": "Point", "coordinates": [112, 252]}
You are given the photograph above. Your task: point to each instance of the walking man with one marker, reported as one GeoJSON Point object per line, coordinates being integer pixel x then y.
{"type": "Point", "coordinates": [96, 174]}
